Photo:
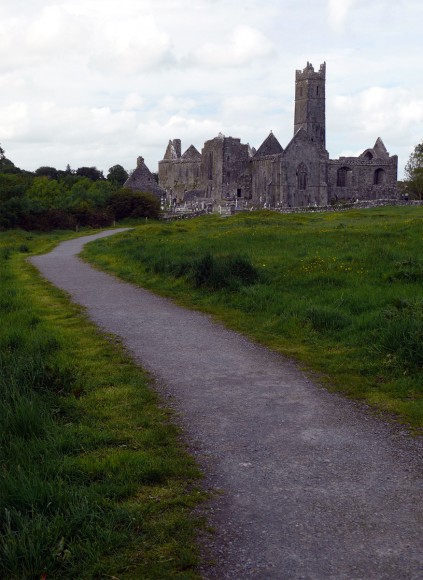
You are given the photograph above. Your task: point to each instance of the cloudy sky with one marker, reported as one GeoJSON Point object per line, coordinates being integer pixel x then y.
{"type": "Point", "coordinates": [100, 82]}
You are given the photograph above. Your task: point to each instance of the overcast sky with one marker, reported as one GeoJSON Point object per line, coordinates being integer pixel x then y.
{"type": "Point", "coordinates": [100, 82]}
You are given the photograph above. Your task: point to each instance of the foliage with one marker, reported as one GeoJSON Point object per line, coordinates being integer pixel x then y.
{"type": "Point", "coordinates": [335, 290]}
{"type": "Point", "coordinates": [90, 172]}
{"type": "Point", "coordinates": [127, 203]}
{"type": "Point", "coordinates": [49, 198]}
{"type": "Point", "coordinates": [47, 172]}
{"type": "Point", "coordinates": [93, 481]}
{"type": "Point", "coordinates": [227, 271]}
{"type": "Point", "coordinates": [117, 175]}
{"type": "Point", "coordinates": [414, 172]}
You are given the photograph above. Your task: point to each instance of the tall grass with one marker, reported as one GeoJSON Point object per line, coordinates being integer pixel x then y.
{"type": "Point", "coordinates": [341, 292]}
{"type": "Point", "coordinates": [93, 479]}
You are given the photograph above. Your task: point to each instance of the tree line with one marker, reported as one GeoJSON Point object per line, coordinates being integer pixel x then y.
{"type": "Point", "coordinates": [51, 198]}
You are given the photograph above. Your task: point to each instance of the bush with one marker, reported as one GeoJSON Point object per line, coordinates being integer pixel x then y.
{"type": "Point", "coordinates": [221, 272]}
{"type": "Point", "coordinates": [128, 203]}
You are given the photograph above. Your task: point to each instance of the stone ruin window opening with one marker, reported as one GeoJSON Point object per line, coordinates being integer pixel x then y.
{"type": "Point", "coordinates": [344, 177]}
{"type": "Point", "coordinates": [379, 177]}
{"type": "Point", "coordinates": [368, 156]}
{"type": "Point", "coordinates": [239, 192]}
{"type": "Point", "coordinates": [302, 177]}
{"type": "Point", "coordinates": [210, 166]}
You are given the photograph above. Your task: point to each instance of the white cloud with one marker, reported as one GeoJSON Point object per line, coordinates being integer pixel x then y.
{"type": "Point", "coordinates": [13, 120]}
{"type": "Point", "coordinates": [95, 82]}
{"type": "Point", "coordinates": [129, 47]}
{"type": "Point", "coordinates": [338, 12]}
{"type": "Point", "coordinates": [245, 45]}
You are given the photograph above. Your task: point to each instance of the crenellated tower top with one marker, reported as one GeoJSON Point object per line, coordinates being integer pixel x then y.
{"type": "Point", "coordinates": [310, 103]}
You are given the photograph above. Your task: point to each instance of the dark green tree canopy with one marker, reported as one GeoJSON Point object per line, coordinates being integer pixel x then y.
{"type": "Point", "coordinates": [47, 172]}
{"type": "Point", "coordinates": [117, 175]}
{"type": "Point", "coordinates": [414, 172]}
{"type": "Point", "coordinates": [91, 172]}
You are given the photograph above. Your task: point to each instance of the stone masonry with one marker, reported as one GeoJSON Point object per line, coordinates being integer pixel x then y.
{"type": "Point", "coordinates": [300, 175]}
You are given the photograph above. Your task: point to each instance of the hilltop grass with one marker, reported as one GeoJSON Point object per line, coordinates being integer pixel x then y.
{"type": "Point", "coordinates": [340, 292]}
{"type": "Point", "coordinates": [94, 481]}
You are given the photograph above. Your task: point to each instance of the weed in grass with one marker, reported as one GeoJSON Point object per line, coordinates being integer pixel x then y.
{"type": "Point", "coordinates": [228, 271]}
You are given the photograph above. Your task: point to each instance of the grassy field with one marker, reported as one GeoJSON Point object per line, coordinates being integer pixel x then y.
{"type": "Point", "coordinates": [340, 292]}
{"type": "Point", "coordinates": [94, 481]}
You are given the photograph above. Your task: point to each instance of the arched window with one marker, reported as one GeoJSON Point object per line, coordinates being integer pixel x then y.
{"type": "Point", "coordinates": [302, 176]}
{"type": "Point", "coordinates": [343, 177]}
{"type": "Point", "coordinates": [379, 177]}
{"type": "Point", "coordinates": [368, 156]}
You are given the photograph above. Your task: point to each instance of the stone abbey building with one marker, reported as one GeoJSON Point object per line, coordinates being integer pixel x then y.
{"type": "Point", "coordinates": [302, 174]}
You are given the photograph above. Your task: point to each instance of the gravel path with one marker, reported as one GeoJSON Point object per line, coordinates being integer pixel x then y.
{"type": "Point", "coordinates": [313, 486]}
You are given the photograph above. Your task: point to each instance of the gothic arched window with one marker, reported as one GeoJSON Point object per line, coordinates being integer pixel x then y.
{"type": "Point", "coordinates": [379, 177]}
{"type": "Point", "coordinates": [302, 176]}
{"type": "Point", "coordinates": [343, 177]}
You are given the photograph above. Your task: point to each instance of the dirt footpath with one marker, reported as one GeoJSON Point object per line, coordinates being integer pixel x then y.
{"type": "Point", "coordinates": [313, 486]}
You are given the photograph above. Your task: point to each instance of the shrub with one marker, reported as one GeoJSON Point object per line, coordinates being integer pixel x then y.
{"type": "Point", "coordinates": [224, 272]}
{"type": "Point", "coordinates": [128, 203]}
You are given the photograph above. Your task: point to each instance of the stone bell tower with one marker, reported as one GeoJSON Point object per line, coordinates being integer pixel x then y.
{"type": "Point", "coordinates": [310, 103]}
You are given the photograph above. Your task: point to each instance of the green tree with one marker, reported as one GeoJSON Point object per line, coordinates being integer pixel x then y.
{"type": "Point", "coordinates": [117, 175]}
{"type": "Point", "coordinates": [47, 172]}
{"type": "Point", "coordinates": [91, 172]}
{"type": "Point", "coordinates": [414, 172]}
{"type": "Point", "coordinates": [128, 203]}
{"type": "Point", "coordinates": [44, 193]}
{"type": "Point", "coordinates": [2, 155]}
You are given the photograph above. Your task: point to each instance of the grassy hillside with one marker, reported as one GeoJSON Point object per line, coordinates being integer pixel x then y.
{"type": "Point", "coordinates": [94, 482]}
{"type": "Point", "coordinates": [340, 292]}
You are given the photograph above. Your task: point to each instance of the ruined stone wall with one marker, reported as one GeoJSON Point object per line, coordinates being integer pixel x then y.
{"type": "Point", "coordinates": [223, 168]}
{"type": "Point", "coordinates": [305, 173]}
{"type": "Point", "coordinates": [268, 173]}
{"type": "Point", "coordinates": [143, 180]}
{"type": "Point", "coordinates": [178, 176]}
{"type": "Point", "coordinates": [351, 178]}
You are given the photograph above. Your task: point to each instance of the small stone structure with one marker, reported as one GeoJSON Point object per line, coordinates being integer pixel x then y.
{"type": "Point", "coordinates": [141, 179]}
{"type": "Point", "coordinates": [300, 175]}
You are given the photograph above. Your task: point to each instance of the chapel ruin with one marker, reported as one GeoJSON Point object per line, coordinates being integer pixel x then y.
{"type": "Point", "coordinates": [300, 175]}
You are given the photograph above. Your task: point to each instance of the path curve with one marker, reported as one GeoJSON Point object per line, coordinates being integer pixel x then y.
{"type": "Point", "coordinates": [313, 486]}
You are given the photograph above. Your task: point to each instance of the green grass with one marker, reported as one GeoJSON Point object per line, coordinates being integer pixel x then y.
{"type": "Point", "coordinates": [94, 481]}
{"type": "Point", "coordinates": [341, 292]}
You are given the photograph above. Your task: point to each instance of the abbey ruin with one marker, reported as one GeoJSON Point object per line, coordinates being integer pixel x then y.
{"type": "Point", "coordinates": [300, 175]}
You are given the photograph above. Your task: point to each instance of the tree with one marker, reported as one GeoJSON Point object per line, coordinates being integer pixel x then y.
{"type": "Point", "coordinates": [91, 172]}
{"type": "Point", "coordinates": [50, 172]}
{"type": "Point", "coordinates": [117, 175]}
{"type": "Point", "coordinates": [128, 203]}
{"type": "Point", "coordinates": [2, 154]}
{"type": "Point", "coordinates": [414, 172]}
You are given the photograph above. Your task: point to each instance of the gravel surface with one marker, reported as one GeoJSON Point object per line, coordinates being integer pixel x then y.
{"type": "Point", "coordinates": [310, 485]}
